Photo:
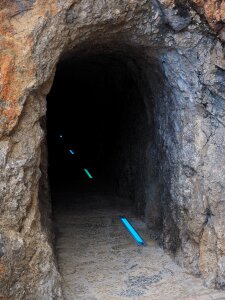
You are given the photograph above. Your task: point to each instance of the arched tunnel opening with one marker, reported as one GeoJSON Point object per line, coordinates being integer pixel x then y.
{"type": "Point", "coordinates": [103, 155]}
{"type": "Point", "coordinates": [99, 128]}
{"type": "Point", "coordinates": [97, 121]}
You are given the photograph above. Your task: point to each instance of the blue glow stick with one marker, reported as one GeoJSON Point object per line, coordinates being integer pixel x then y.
{"type": "Point", "coordinates": [132, 231]}
{"type": "Point", "coordinates": [88, 174]}
{"type": "Point", "coordinates": [71, 151]}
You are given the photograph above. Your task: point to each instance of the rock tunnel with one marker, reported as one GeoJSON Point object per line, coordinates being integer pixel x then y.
{"type": "Point", "coordinates": [109, 124]}
{"type": "Point", "coordinates": [122, 122]}
{"type": "Point", "coordinates": [133, 93]}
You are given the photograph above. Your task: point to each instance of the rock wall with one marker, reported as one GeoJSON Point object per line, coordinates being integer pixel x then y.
{"type": "Point", "coordinates": [214, 12]}
{"type": "Point", "coordinates": [186, 80]}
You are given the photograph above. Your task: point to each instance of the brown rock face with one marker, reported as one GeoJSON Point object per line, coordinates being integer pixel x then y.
{"type": "Point", "coordinates": [181, 71]}
{"type": "Point", "coordinates": [214, 12]}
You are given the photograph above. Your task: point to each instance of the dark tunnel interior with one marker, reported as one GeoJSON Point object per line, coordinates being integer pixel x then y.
{"type": "Point", "coordinates": [97, 120]}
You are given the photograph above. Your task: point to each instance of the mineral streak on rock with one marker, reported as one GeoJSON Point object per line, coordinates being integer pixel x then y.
{"type": "Point", "coordinates": [183, 66]}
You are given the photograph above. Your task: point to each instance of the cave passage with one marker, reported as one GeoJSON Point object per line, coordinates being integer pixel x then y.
{"type": "Point", "coordinates": [103, 151]}
{"type": "Point", "coordinates": [96, 126]}
{"type": "Point", "coordinates": [98, 133]}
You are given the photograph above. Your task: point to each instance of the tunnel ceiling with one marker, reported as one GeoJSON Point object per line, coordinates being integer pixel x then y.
{"type": "Point", "coordinates": [179, 67]}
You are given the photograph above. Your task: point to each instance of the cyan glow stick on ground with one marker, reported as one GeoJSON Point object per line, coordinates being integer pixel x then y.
{"type": "Point", "coordinates": [132, 231]}
{"type": "Point", "coordinates": [88, 174]}
{"type": "Point", "coordinates": [72, 152]}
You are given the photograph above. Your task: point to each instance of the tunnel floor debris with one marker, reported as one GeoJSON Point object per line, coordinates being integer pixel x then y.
{"type": "Point", "coordinates": [99, 260]}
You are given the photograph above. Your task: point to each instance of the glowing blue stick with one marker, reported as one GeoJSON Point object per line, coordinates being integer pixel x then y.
{"type": "Point", "coordinates": [88, 174]}
{"type": "Point", "coordinates": [71, 151]}
{"type": "Point", "coordinates": [132, 231]}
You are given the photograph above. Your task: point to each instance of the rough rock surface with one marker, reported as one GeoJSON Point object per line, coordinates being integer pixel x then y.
{"type": "Point", "coordinates": [214, 12]}
{"type": "Point", "coordinates": [184, 70]}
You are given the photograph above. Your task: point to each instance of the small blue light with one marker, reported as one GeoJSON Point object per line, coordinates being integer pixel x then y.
{"type": "Point", "coordinates": [132, 231]}
{"type": "Point", "coordinates": [72, 152]}
{"type": "Point", "coordinates": [60, 136]}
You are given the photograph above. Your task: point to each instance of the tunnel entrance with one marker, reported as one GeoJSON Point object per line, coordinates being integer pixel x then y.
{"type": "Point", "coordinates": [113, 144]}
{"type": "Point", "coordinates": [98, 124]}
{"type": "Point", "coordinates": [101, 157]}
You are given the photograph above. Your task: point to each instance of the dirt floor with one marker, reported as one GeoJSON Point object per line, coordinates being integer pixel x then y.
{"type": "Point", "coordinates": [99, 260]}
